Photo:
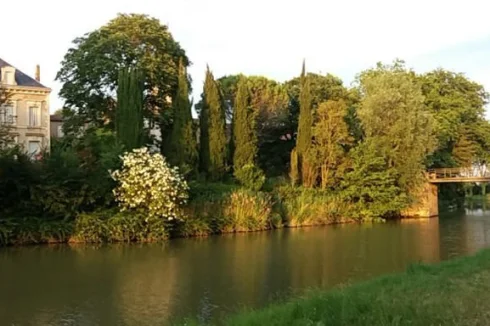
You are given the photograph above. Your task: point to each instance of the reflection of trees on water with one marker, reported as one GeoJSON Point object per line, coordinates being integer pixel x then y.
{"type": "Point", "coordinates": [332, 255]}
{"type": "Point", "coordinates": [148, 284]}
{"type": "Point", "coordinates": [49, 286]}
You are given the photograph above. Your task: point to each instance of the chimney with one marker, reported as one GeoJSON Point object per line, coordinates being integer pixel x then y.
{"type": "Point", "coordinates": [38, 73]}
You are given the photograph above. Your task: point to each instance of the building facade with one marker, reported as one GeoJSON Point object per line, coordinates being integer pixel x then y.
{"type": "Point", "coordinates": [27, 110]}
{"type": "Point", "coordinates": [56, 126]}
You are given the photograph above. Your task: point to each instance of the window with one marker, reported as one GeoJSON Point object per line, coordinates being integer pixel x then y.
{"type": "Point", "coordinates": [34, 115]}
{"type": "Point", "coordinates": [34, 147]}
{"type": "Point", "coordinates": [7, 114]}
{"type": "Point", "coordinates": [60, 131]}
{"type": "Point", "coordinates": [8, 77]}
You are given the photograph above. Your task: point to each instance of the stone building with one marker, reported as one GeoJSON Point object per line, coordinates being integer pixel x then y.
{"type": "Point", "coordinates": [27, 110]}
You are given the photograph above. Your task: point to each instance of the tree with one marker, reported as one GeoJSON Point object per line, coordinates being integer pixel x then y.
{"type": "Point", "coordinates": [245, 141]}
{"type": "Point", "coordinates": [89, 70]}
{"type": "Point", "coordinates": [129, 113]}
{"type": "Point", "coordinates": [323, 88]}
{"type": "Point", "coordinates": [371, 184]}
{"type": "Point", "coordinates": [393, 114]}
{"type": "Point", "coordinates": [303, 140]}
{"type": "Point", "coordinates": [213, 130]}
{"type": "Point", "coordinates": [464, 150]}
{"type": "Point", "coordinates": [458, 106]}
{"type": "Point", "coordinates": [204, 158]}
{"type": "Point", "coordinates": [331, 137]}
{"type": "Point", "coordinates": [269, 100]}
{"type": "Point", "coordinates": [183, 141]}
{"type": "Point", "coordinates": [244, 133]}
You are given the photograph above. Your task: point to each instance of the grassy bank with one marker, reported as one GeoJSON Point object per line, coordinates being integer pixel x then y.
{"type": "Point", "coordinates": [455, 292]}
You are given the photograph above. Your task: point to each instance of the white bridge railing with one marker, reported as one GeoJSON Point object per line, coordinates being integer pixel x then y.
{"type": "Point", "coordinates": [472, 172]}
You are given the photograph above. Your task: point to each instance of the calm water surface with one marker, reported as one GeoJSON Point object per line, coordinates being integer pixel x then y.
{"type": "Point", "coordinates": [153, 284]}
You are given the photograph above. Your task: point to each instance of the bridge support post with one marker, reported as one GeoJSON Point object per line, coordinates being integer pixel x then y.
{"type": "Point", "coordinates": [426, 202]}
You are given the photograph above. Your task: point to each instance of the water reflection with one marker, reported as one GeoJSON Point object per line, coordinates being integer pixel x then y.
{"type": "Point", "coordinates": [149, 284]}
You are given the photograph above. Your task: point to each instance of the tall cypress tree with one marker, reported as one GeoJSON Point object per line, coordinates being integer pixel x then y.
{"type": "Point", "coordinates": [184, 144]}
{"type": "Point", "coordinates": [305, 120]}
{"type": "Point", "coordinates": [213, 130]}
{"type": "Point", "coordinates": [129, 113]}
{"type": "Point", "coordinates": [244, 133]}
{"type": "Point", "coordinates": [304, 169]}
{"type": "Point", "coordinates": [204, 159]}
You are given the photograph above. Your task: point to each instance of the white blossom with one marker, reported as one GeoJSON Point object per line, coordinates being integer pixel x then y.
{"type": "Point", "coordinates": [147, 182]}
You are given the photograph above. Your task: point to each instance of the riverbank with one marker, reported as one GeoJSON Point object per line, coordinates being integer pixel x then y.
{"type": "Point", "coordinates": [212, 209]}
{"type": "Point", "coordinates": [454, 292]}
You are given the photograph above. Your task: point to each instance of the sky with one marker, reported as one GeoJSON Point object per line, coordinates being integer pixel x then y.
{"type": "Point", "coordinates": [266, 37]}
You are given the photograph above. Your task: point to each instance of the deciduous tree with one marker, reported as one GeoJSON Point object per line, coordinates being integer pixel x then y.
{"type": "Point", "coordinates": [89, 70]}
{"type": "Point", "coordinates": [331, 138]}
{"type": "Point", "coordinates": [393, 114]}
{"type": "Point", "coordinates": [458, 106]}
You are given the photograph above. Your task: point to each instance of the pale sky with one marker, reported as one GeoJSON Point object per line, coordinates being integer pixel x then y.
{"type": "Point", "coordinates": [266, 37]}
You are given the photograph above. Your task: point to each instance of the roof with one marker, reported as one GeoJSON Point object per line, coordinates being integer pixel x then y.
{"type": "Point", "coordinates": [21, 78]}
{"type": "Point", "coordinates": [56, 117]}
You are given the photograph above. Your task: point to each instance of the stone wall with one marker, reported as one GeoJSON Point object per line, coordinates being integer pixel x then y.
{"type": "Point", "coordinates": [426, 204]}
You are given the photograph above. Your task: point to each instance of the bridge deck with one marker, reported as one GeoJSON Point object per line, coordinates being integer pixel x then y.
{"type": "Point", "coordinates": [462, 174]}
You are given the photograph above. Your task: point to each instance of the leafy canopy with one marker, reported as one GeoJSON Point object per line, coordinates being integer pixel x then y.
{"type": "Point", "coordinates": [89, 70]}
{"type": "Point", "coordinates": [393, 115]}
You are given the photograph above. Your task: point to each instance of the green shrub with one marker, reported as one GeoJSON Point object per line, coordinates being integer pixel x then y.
{"type": "Point", "coordinates": [113, 226]}
{"type": "Point", "coordinates": [250, 176]}
{"type": "Point", "coordinates": [210, 191]}
{"type": "Point", "coordinates": [222, 208]}
{"type": "Point", "coordinates": [155, 229]}
{"type": "Point", "coordinates": [17, 176]}
{"type": "Point", "coordinates": [72, 178]}
{"type": "Point", "coordinates": [124, 227]}
{"type": "Point", "coordinates": [32, 230]}
{"type": "Point", "coordinates": [194, 226]}
{"type": "Point", "coordinates": [305, 207]}
{"type": "Point", "coordinates": [91, 227]}
{"type": "Point", "coordinates": [246, 211]}
{"type": "Point", "coordinates": [146, 182]}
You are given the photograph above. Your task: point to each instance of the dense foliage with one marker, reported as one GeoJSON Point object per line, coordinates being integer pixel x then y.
{"type": "Point", "coordinates": [265, 154]}
{"type": "Point", "coordinates": [89, 71]}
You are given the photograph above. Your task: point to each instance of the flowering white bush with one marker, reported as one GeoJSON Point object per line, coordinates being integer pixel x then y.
{"type": "Point", "coordinates": [147, 182]}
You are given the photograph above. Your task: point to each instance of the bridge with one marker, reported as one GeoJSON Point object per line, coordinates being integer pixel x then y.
{"type": "Point", "coordinates": [461, 174]}
{"type": "Point", "coordinates": [426, 204]}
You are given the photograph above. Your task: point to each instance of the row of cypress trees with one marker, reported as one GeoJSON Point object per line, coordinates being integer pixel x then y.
{"type": "Point", "coordinates": [214, 153]}
{"type": "Point", "coordinates": [242, 149]}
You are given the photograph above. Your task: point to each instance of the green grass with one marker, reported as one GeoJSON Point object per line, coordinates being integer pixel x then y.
{"type": "Point", "coordinates": [455, 292]}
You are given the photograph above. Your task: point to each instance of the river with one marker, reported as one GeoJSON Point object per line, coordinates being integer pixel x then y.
{"type": "Point", "coordinates": [208, 277]}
